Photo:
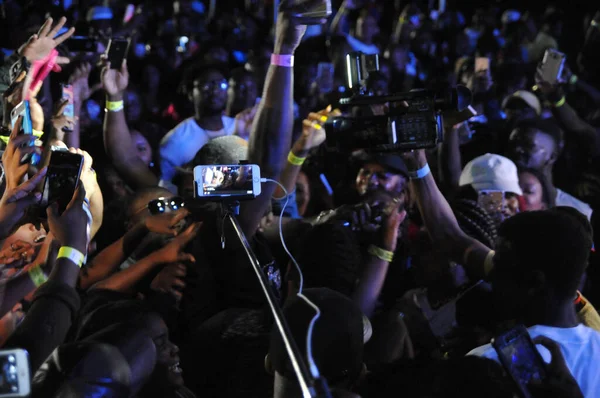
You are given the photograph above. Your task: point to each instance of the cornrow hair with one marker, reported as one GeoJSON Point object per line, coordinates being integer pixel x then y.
{"type": "Point", "coordinates": [475, 221]}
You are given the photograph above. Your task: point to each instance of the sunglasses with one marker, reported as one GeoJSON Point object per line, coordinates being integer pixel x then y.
{"type": "Point", "coordinates": [164, 205]}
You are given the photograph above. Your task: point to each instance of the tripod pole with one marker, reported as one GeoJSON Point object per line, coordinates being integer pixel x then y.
{"type": "Point", "coordinates": [304, 378]}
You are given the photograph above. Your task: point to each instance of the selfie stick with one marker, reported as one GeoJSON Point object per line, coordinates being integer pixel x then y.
{"type": "Point", "coordinates": [305, 379]}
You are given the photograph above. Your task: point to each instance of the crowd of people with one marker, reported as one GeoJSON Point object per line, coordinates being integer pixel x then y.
{"type": "Point", "coordinates": [415, 260]}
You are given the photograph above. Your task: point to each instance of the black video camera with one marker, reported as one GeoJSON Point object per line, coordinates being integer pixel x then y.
{"type": "Point", "coordinates": [413, 120]}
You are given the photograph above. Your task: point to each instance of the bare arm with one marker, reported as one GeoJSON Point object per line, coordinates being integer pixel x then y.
{"type": "Point", "coordinates": [126, 280]}
{"type": "Point", "coordinates": [270, 139]}
{"type": "Point", "coordinates": [585, 133]}
{"type": "Point", "coordinates": [450, 158]}
{"type": "Point", "coordinates": [441, 223]}
{"type": "Point", "coordinates": [117, 137]}
{"type": "Point", "coordinates": [107, 261]}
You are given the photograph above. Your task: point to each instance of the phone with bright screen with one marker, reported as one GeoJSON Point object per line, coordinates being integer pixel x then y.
{"type": "Point", "coordinates": [22, 109]}
{"type": "Point", "coordinates": [67, 94]}
{"type": "Point", "coordinates": [14, 376]}
{"type": "Point", "coordinates": [62, 178]}
{"type": "Point", "coordinates": [117, 52]}
{"type": "Point", "coordinates": [227, 181]}
{"type": "Point", "coordinates": [552, 65]}
{"type": "Point", "coordinates": [519, 356]}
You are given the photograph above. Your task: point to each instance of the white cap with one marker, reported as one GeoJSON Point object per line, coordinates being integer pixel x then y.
{"type": "Point", "coordinates": [529, 98]}
{"type": "Point", "coordinates": [491, 172]}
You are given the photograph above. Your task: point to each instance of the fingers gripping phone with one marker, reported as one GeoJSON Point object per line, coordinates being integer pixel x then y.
{"type": "Point", "coordinates": [62, 179]}
{"type": "Point", "coordinates": [117, 52]}
{"type": "Point", "coordinates": [520, 358]}
{"type": "Point", "coordinates": [552, 66]}
{"type": "Point", "coordinates": [218, 182]}
{"type": "Point", "coordinates": [14, 368]}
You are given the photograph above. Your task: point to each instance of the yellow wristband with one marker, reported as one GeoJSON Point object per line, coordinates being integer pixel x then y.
{"type": "Point", "coordinates": [72, 254]}
{"type": "Point", "coordinates": [295, 160]}
{"type": "Point", "coordinates": [380, 253]}
{"type": "Point", "coordinates": [114, 106]}
{"type": "Point", "coordinates": [38, 277]}
{"type": "Point", "coordinates": [561, 102]}
{"type": "Point", "coordinates": [38, 133]}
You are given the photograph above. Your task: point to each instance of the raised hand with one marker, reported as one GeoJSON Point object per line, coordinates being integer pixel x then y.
{"type": "Point", "coordinates": [166, 223]}
{"type": "Point", "coordinates": [288, 32]}
{"type": "Point", "coordinates": [40, 44]}
{"type": "Point", "coordinates": [16, 200]}
{"type": "Point", "coordinates": [61, 122]}
{"type": "Point", "coordinates": [79, 79]}
{"type": "Point", "coordinates": [88, 175]}
{"type": "Point", "coordinates": [170, 280]}
{"type": "Point", "coordinates": [115, 81]}
{"type": "Point", "coordinates": [70, 227]}
{"type": "Point", "coordinates": [172, 252]}
{"type": "Point", "coordinates": [17, 154]}
{"type": "Point", "coordinates": [313, 133]}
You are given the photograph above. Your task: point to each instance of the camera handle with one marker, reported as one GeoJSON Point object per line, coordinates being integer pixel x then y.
{"type": "Point", "coordinates": [310, 387]}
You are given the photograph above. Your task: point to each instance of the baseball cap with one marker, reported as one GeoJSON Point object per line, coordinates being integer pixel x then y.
{"type": "Point", "coordinates": [526, 96]}
{"type": "Point", "coordinates": [337, 340]}
{"type": "Point", "coordinates": [491, 172]}
{"type": "Point", "coordinates": [390, 162]}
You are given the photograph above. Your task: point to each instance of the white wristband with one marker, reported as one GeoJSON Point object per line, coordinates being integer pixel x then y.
{"type": "Point", "coordinates": [421, 173]}
{"type": "Point", "coordinates": [287, 61]}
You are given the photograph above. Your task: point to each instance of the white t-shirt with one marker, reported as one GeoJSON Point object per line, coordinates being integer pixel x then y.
{"type": "Point", "coordinates": [181, 144]}
{"type": "Point", "coordinates": [580, 346]}
{"type": "Point", "coordinates": [564, 199]}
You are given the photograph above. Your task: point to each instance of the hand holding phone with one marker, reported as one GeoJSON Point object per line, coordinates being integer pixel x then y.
{"type": "Point", "coordinates": [69, 110]}
{"type": "Point", "coordinates": [520, 358]}
{"type": "Point", "coordinates": [62, 179]}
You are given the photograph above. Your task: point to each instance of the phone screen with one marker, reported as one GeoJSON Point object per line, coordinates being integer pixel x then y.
{"type": "Point", "coordinates": [117, 52]}
{"type": "Point", "coordinates": [67, 94]}
{"type": "Point", "coordinates": [227, 181]}
{"type": "Point", "coordinates": [520, 357]}
{"type": "Point", "coordinates": [62, 178]}
{"type": "Point", "coordinates": [9, 378]}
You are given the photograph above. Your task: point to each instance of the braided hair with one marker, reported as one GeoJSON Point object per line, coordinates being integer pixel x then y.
{"type": "Point", "coordinates": [475, 221]}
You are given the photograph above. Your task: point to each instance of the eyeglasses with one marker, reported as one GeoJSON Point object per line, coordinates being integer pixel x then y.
{"type": "Point", "coordinates": [210, 86]}
{"type": "Point", "coordinates": [164, 205]}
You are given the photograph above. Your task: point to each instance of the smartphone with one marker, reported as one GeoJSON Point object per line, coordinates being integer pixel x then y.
{"type": "Point", "coordinates": [520, 358]}
{"type": "Point", "coordinates": [313, 15]}
{"type": "Point", "coordinates": [117, 52]}
{"type": "Point", "coordinates": [325, 72]}
{"type": "Point", "coordinates": [82, 44]}
{"type": "Point", "coordinates": [15, 379]}
{"type": "Point", "coordinates": [482, 64]}
{"type": "Point", "coordinates": [67, 94]}
{"type": "Point", "coordinates": [552, 65]}
{"type": "Point", "coordinates": [240, 182]}
{"type": "Point", "coordinates": [62, 179]}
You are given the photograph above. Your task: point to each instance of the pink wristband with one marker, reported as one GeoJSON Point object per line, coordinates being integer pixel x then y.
{"type": "Point", "coordinates": [286, 61]}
